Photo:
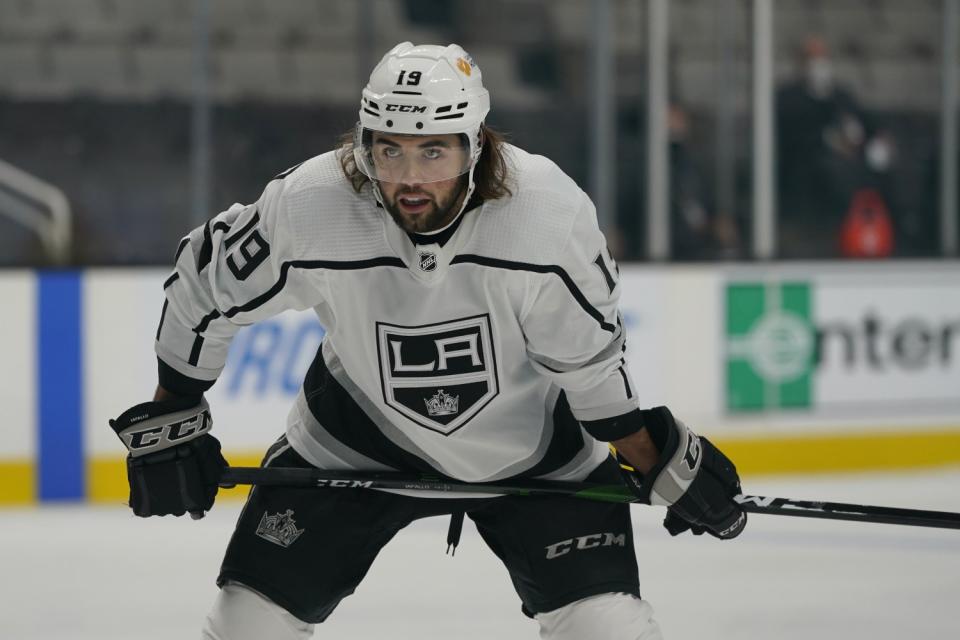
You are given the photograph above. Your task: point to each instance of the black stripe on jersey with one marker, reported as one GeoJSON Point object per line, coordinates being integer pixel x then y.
{"type": "Point", "coordinates": [284, 174]}
{"type": "Point", "coordinates": [195, 351]}
{"type": "Point", "coordinates": [183, 245]}
{"type": "Point", "coordinates": [626, 382]}
{"type": "Point", "coordinates": [540, 268]}
{"type": "Point", "coordinates": [173, 278]}
{"type": "Point", "coordinates": [229, 242]}
{"type": "Point", "coordinates": [349, 265]}
{"type": "Point", "coordinates": [198, 341]}
{"type": "Point", "coordinates": [206, 249]}
{"type": "Point", "coordinates": [549, 368]}
{"type": "Point", "coordinates": [279, 444]}
{"type": "Point", "coordinates": [163, 314]}
{"type": "Point", "coordinates": [345, 420]}
{"type": "Point", "coordinates": [611, 285]}
{"type": "Point", "coordinates": [566, 443]}
{"type": "Point", "coordinates": [207, 319]}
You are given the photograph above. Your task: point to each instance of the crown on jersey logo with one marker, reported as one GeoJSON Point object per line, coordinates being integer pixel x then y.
{"type": "Point", "coordinates": [279, 529]}
{"type": "Point", "coordinates": [442, 404]}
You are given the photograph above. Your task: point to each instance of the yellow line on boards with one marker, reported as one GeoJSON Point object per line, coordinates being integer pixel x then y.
{"type": "Point", "coordinates": [107, 478]}
{"type": "Point", "coordinates": [17, 482]}
{"type": "Point", "coordinates": [875, 451]}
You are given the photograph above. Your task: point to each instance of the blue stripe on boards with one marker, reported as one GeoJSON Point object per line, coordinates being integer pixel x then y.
{"type": "Point", "coordinates": [59, 384]}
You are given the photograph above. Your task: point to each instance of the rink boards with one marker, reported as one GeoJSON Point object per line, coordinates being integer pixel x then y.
{"type": "Point", "coordinates": [792, 368]}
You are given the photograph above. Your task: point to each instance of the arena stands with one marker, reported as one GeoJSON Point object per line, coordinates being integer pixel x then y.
{"type": "Point", "coordinates": [103, 87]}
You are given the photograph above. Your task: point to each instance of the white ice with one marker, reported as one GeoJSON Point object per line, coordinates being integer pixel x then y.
{"type": "Point", "coordinates": [98, 573]}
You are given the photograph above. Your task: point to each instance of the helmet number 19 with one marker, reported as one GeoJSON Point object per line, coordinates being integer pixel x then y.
{"type": "Point", "coordinates": [413, 78]}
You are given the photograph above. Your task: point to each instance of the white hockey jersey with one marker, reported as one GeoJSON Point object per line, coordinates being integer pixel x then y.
{"type": "Point", "coordinates": [476, 360]}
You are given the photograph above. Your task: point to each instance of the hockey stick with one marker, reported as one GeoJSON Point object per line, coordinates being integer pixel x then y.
{"type": "Point", "coordinates": [300, 477]}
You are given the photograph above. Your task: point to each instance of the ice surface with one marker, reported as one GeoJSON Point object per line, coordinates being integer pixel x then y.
{"type": "Point", "coordinates": [98, 573]}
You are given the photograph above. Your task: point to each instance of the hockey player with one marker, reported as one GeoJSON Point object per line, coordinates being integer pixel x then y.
{"type": "Point", "coordinates": [472, 332]}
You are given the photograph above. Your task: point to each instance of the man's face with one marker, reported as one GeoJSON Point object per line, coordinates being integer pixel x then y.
{"type": "Point", "coordinates": [421, 178]}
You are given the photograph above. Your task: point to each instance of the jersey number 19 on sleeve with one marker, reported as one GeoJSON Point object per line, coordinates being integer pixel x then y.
{"type": "Point", "coordinates": [248, 256]}
{"type": "Point", "coordinates": [607, 273]}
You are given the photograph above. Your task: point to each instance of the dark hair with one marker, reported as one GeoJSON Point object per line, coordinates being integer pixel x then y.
{"type": "Point", "coordinates": [490, 176]}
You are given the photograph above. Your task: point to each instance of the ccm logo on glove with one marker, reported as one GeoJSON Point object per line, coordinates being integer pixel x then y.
{"type": "Point", "coordinates": [691, 457]}
{"type": "Point", "coordinates": [174, 464]}
{"type": "Point", "coordinates": [162, 436]}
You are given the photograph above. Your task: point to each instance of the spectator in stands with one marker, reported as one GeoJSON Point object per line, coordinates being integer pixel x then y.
{"type": "Point", "coordinates": [830, 153]}
{"type": "Point", "coordinates": [698, 232]}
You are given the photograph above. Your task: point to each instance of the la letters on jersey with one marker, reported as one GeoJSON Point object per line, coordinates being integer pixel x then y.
{"type": "Point", "coordinates": [439, 375]}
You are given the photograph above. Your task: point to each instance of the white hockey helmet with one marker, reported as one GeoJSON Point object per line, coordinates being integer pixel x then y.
{"type": "Point", "coordinates": [422, 91]}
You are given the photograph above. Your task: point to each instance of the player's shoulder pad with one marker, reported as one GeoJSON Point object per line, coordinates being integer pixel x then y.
{"type": "Point", "coordinates": [534, 223]}
{"type": "Point", "coordinates": [321, 214]}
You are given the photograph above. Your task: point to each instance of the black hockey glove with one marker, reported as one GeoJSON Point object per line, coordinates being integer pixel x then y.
{"type": "Point", "coordinates": [693, 479]}
{"type": "Point", "coordinates": [174, 464]}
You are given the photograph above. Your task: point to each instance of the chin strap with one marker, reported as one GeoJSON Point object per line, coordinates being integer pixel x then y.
{"type": "Point", "coordinates": [376, 193]}
{"type": "Point", "coordinates": [473, 166]}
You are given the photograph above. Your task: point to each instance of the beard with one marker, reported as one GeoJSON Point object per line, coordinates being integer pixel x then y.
{"type": "Point", "coordinates": [439, 213]}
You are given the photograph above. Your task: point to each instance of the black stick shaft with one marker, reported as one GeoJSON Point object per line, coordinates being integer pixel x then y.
{"type": "Point", "coordinates": [305, 477]}
{"type": "Point", "coordinates": [299, 477]}
{"type": "Point", "coordinates": [853, 512]}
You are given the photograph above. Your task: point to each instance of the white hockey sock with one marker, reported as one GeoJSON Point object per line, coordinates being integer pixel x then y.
{"type": "Point", "coordinates": [611, 616]}
{"type": "Point", "coordinates": [240, 613]}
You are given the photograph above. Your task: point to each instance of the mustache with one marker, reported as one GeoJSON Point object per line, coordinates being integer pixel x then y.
{"type": "Point", "coordinates": [414, 193]}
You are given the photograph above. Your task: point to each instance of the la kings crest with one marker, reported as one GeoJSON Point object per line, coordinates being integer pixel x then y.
{"type": "Point", "coordinates": [438, 375]}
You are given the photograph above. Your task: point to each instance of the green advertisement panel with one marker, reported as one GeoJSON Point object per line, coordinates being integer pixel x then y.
{"type": "Point", "coordinates": [769, 346]}
{"type": "Point", "coordinates": [843, 343]}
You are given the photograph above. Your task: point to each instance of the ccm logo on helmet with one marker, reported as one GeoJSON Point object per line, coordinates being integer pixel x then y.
{"type": "Point", "coordinates": [406, 108]}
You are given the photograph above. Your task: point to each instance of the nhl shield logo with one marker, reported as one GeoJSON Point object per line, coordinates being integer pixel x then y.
{"type": "Point", "coordinates": [441, 375]}
{"type": "Point", "coordinates": [428, 261]}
